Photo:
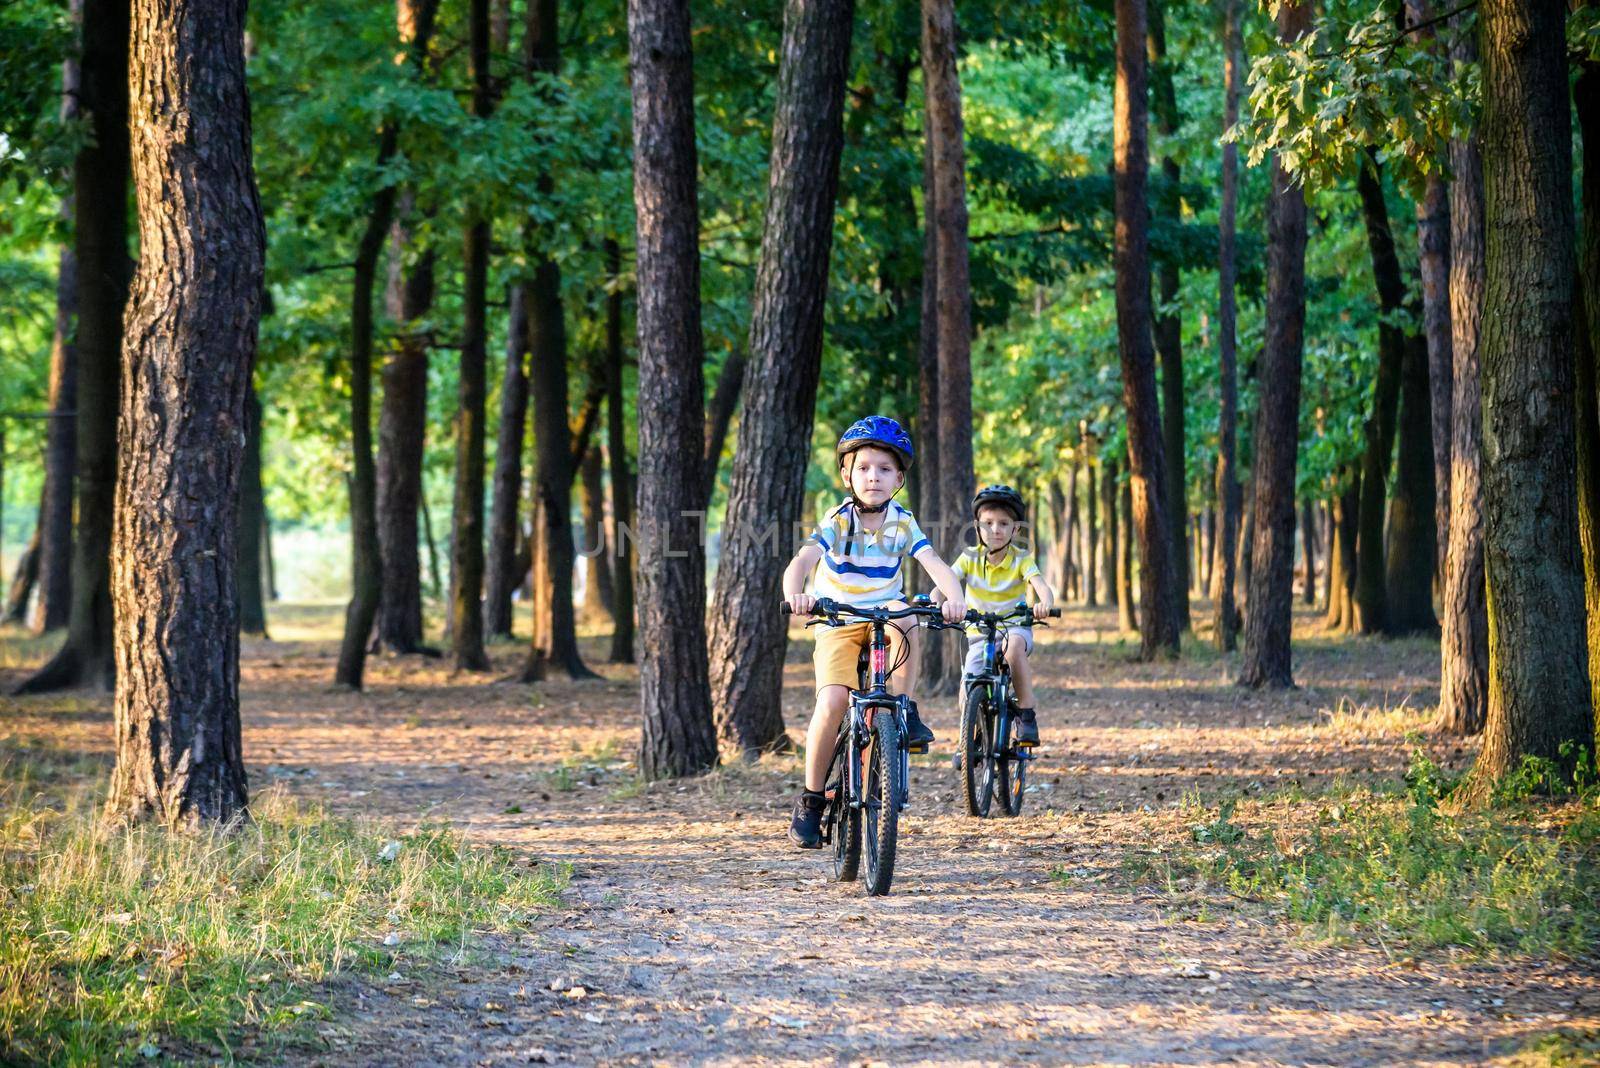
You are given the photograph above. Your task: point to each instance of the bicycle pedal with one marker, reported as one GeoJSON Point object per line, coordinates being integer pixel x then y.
{"type": "Point", "coordinates": [916, 747]}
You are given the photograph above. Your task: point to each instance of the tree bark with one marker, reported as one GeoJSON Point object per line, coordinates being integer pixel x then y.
{"type": "Point", "coordinates": [365, 566]}
{"type": "Point", "coordinates": [766, 491]}
{"type": "Point", "coordinates": [622, 482]}
{"type": "Point", "coordinates": [503, 574]}
{"type": "Point", "coordinates": [1341, 618]}
{"type": "Point", "coordinates": [466, 542]}
{"type": "Point", "coordinates": [1127, 614]}
{"type": "Point", "coordinates": [730, 385]}
{"type": "Point", "coordinates": [1372, 597]}
{"type": "Point", "coordinates": [1308, 544]}
{"type": "Point", "coordinates": [1108, 510]}
{"type": "Point", "coordinates": [1169, 321]}
{"type": "Point", "coordinates": [1269, 622]}
{"type": "Point", "coordinates": [942, 90]}
{"type": "Point", "coordinates": [100, 246]}
{"type": "Point", "coordinates": [930, 511]}
{"type": "Point", "coordinates": [23, 580]}
{"type": "Point", "coordinates": [1091, 539]}
{"type": "Point", "coordinates": [598, 595]}
{"type": "Point", "coordinates": [1538, 670]}
{"type": "Point", "coordinates": [1158, 572]}
{"type": "Point", "coordinates": [190, 343]}
{"type": "Point", "coordinates": [1412, 554]}
{"type": "Point", "coordinates": [252, 593]}
{"type": "Point", "coordinates": [674, 691]}
{"type": "Point", "coordinates": [1224, 611]}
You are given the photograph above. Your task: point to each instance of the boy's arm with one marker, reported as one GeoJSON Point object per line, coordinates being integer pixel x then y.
{"type": "Point", "coordinates": [794, 579]}
{"type": "Point", "coordinates": [1047, 597]}
{"type": "Point", "coordinates": [945, 580]}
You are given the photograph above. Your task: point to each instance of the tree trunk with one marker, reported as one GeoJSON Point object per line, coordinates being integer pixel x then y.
{"type": "Point", "coordinates": [1071, 572]}
{"type": "Point", "coordinates": [598, 595]}
{"type": "Point", "coordinates": [1308, 544]}
{"type": "Point", "coordinates": [416, 23]}
{"type": "Point", "coordinates": [1168, 319]}
{"type": "Point", "coordinates": [748, 637]}
{"type": "Point", "coordinates": [1269, 622]}
{"type": "Point", "coordinates": [1412, 555]}
{"type": "Point", "coordinates": [23, 580]}
{"type": "Point", "coordinates": [1433, 262]}
{"type": "Point", "coordinates": [1586, 95]}
{"type": "Point", "coordinates": [554, 550]}
{"type": "Point", "coordinates": [942, 89]}
{"type": "Point", "coordinates": [1346, 507]}
{"type": "Point", "coordinates": [621, 544]}
{"type": "Point", "coordinates": [1224, 611]}
{"type": "Point", "coordinates": [674, 691]}
{"type": "Point", "coordinates": [252, 590]}
{"type": "Point", "coordinates": [466, 541]}
{"type": "Point", "coordinates": [1372, 596]}
{"type": "Point", "coordinates": [191, 338]}
{"type": "Point", "coordinates": [402, 428]}
{"type": "Point", "coordinates": [930, 512]}
{"type": "Point", "coordinates": [730, 385]}
{"type": "Point", "coordinates": [100, 246]}
{"type": "Point", "coordinates": [503, 575]}
{"type": "Point", "coordinates": [1108, 511]}
{"type": "Point", "coordinates": [1127, 615]}
{"type": "Point", "coordinates": [1091, 540]}
{"type": "Point", "coordinates": [1158, 572]}
{"type": "Point", "coordinates": [1538, 669]}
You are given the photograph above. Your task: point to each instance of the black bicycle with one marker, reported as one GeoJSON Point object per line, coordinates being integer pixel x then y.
{"type": "Point", "coordinates": [868, 780]}
{"type": "Point", "coordinates": [991, 761]}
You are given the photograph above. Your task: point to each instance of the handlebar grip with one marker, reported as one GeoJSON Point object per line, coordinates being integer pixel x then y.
{"type": "Point", "coordinates": [783, 607]}
{"type": "Point", "coordinates": [1055, 613]}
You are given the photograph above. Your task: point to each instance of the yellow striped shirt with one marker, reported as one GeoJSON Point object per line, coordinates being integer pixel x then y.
{"type": "Point", "coordinates": [995, 586]}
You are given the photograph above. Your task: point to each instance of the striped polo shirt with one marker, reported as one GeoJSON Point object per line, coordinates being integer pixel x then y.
{"type": "Point", "coordinates": [865, 567]}
{"type": "Point", "coordinates": [995, 587]}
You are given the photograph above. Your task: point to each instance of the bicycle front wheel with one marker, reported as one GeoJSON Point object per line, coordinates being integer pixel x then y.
{"type": "Point", "coordinates": [1011, 772]}
{"type": "Point", "coordinates": [880, 816]}
{"type": "Point", "coordinates": [977, 765]}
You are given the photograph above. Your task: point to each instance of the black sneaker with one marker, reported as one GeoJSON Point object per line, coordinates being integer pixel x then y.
{"type": "Point", "coordinates": [805, 830]}
{"type": "Point", "coordinates": [918, 735]}
{"type": "Point", "coordinates": [1027, 728]}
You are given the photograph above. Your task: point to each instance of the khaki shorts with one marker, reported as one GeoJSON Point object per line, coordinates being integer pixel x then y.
{"type": "Point", "coordinates": [839, 648]}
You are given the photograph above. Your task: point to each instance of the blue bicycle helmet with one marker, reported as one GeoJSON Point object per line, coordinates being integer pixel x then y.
{"type": "Point", "coordinates": [877, 430]}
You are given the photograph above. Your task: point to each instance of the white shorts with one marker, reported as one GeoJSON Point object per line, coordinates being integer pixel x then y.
{"type": "Point", "coordinates": [975, 647]}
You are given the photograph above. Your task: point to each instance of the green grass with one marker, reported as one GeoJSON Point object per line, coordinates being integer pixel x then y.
{"type": "Point", "coordinates": [133, 944]}
{"type": "Point", "coordinates": [1520, 877]}
{"type": "Point", "coordinates": [1558, 1049]}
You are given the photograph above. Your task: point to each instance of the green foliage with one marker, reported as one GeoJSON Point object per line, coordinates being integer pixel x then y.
{"type": "Point", "coordinates": [122, 944]}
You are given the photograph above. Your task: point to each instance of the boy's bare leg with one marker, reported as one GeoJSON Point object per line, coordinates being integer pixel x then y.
{"type": "Point", "coordinates": [1021, 671]}
{"type": "Point", "coordinates": [823, 732]}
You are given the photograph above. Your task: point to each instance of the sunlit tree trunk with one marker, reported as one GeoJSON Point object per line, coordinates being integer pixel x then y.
{"type": "Point", "coordinates": [1225, 612]}
{"type": "Point", "coordinates": [1586, 95]}
{"type": "Point", "coordinates": [502, 575]}
{"type": "Point", "coordinates": [190, 343]}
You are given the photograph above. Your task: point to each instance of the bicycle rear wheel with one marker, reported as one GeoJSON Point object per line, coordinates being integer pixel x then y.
{"type": "Point", "coordinates": [843, 822]}
{"type": "Point", "coordinates": [1011, 772]}
{"type": "Point", "coordinates": [977, 767]}
{"type": "Point", "coordinates": [880, 816]}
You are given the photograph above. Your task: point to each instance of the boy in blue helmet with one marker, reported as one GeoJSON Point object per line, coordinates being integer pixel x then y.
{"type": "Point", "coordinates": [862, 545]}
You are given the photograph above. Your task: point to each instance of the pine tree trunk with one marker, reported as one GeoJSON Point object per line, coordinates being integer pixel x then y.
{"type": "Point", "coordinates": [1412, 554]}
{"type": "Point", "coordinates": [598, 594]}
{"type": "Point", "coordinates": [1168, 320]}
{"type": "Point", "coordinates": [23, 580]}
{"type": "Point", "coordinates": [1538, 668]}
{"type": "Point", "coordinates": [1372, 597]}
{"type": "Point", "coordinates": [252, 599]}
{"type": "Point", "coordinates": [1158, 572]}
{"type": "Point", "coordinates": [1224, 611]}
{"type": "Point", "coordinates": [1346, 507]}
{"type": "Point", "coordinates": [1269, 622]}
{"type": "Point", "coordinates": [622, 490]}
{"type": "Point", "coordinates": [1073, 574]}
{"type": "Point", "coordinates": [748, 636]}
{"type": "Point", "coordinates": [946, 129]}
{"type": "Point", "coordinates": [365, 566]}
{"type": "Point", "coordinates": [1091, 540]}
{"type": "Point", "coordinates": [100, 246]}
{"type": "Point", "coordinates": [930, 512]}
{"type": "Point", "coordinates": [730, 386]}
{"type": "Point", "coordinates": [466, 541]}
{"type": "Point", "coordinates": [1127, 614]}
{"type": "Point", "coordinates": [1108, 510]}
{"type": "Point", "coordinates": [1308, 544]}
{"type": "Point", "coordinates": [1586, 334]}
{"type": "Point", "coordinates": [191, 338]}
{"type": "Point", "coordinates": [503, 576]}
{"type": "Point", "coordinates": [402, 428]}
{"type": "Point", "coordinates": [674, 692]}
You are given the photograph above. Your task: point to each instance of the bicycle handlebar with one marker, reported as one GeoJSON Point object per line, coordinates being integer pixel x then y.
{"type": "Point", "coordinates": [826, 606]}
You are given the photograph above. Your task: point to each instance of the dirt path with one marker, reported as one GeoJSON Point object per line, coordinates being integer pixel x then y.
{"type": "Point", "coordinates": [698, 934]}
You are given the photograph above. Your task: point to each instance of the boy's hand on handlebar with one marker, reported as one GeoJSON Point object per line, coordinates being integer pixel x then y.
{"type": "Point", "coordinates": [954, 609]}
{"type": "Point", "coordinates": [1041, 610]}
{"type": "Point", "coordinates": [801, 604]}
